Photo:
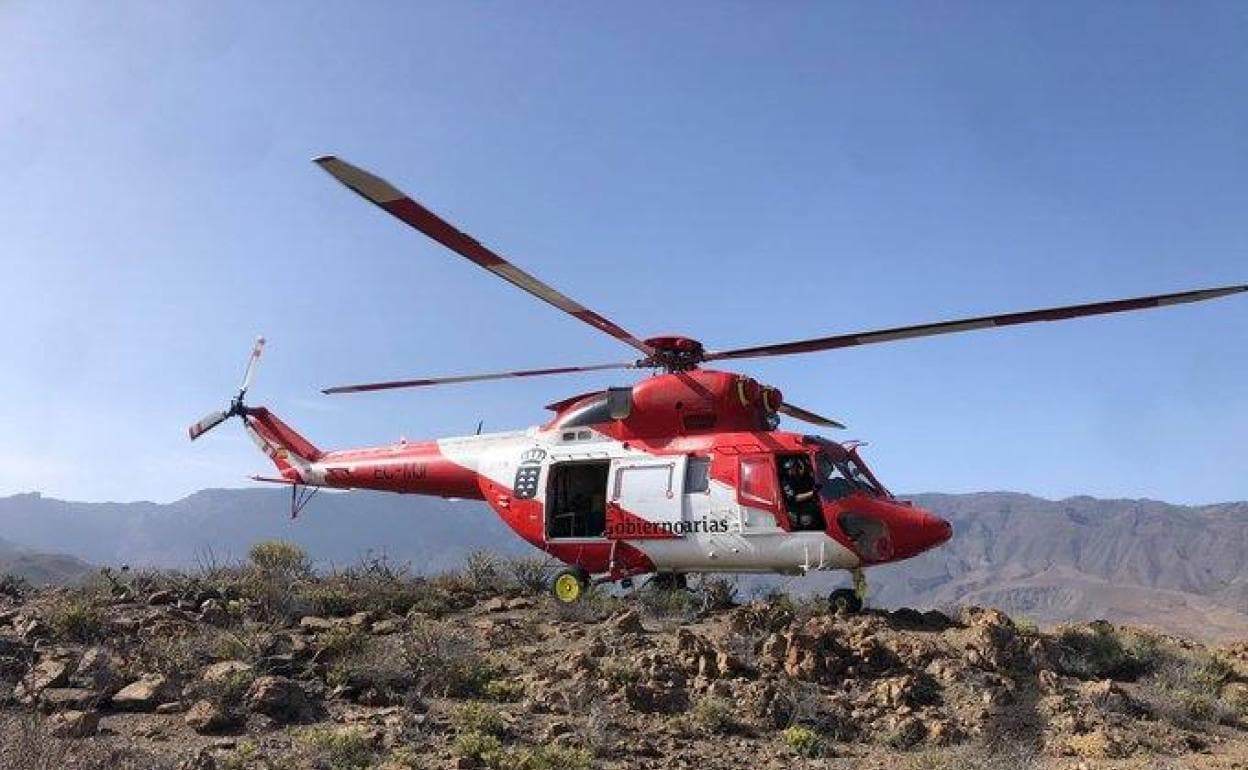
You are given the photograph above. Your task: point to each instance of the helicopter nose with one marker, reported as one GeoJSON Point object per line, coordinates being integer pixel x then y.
{"type": "Point", "coordinates": [938, 530]}
{"type": "Point", "coordinates": [918, 530]}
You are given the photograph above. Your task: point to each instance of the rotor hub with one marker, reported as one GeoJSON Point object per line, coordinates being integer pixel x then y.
{"type": "Point", "coordinates": [674, 353]}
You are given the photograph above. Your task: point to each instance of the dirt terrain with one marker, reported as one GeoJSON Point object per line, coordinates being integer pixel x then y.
{"type": "Point", "coordinates": [268, 665]}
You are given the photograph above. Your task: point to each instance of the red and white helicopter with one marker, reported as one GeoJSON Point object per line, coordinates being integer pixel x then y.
{"type": "Point", "coordinates": [683, 472]}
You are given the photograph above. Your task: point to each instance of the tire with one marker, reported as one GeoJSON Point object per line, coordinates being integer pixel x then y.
{"type": "Point", "coordinates": [569, 585]}
{"type": "Point", "coordinates": [845, 601]}
{"type": "Point", "coordinates": [669, 581]}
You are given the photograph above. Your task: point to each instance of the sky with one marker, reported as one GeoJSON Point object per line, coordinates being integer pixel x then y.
{"type": "Point", "coordinates": [737, 172]}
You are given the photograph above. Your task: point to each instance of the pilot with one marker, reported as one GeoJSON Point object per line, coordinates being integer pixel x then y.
{"type": "Point", "coordinates": [799, 487]}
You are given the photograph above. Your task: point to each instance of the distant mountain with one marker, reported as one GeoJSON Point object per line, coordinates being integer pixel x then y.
{"type": "Point", "coordinates": [40, 568]}
{"type": "Point", "coordinates": [1174, 567]}
{"type": "Point", "coordinates": [221, 524]}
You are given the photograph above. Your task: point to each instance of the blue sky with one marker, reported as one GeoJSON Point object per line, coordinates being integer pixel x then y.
{"type": "Point", "coordinates": [738, 172]}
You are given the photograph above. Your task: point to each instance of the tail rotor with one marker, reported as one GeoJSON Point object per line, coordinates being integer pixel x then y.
{"type": "Point", "coordinates": [237, 408]}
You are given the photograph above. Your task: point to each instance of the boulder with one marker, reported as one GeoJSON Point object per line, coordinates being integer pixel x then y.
{"type": "Point", "coordinates": [387, 626]}
{"type": "Point", "coordinates": [55, 699]}
{"type": "Point", "coordinates": [74, 724]}
{"type": "Point", "coordinates": [98, 669]}
{"type": "Point", "coordinates": [213, 613]}
{"type": "Point", "coordinates": [222, 672]}
{"type": "Point", "coordinates": [280, 698]}
{"type": "Point", "coordinates": [49, 672]}
{"type": "Point", "coordinates": [162, 597]}
{"type": "Point", "coordinates": [313, 624]}
{"type": "Point", "coordinates": [144, 695]}
{"type": "Point", "coordinates": [208, 718]}
{"type": "Point", "coordinates": [627, 623]}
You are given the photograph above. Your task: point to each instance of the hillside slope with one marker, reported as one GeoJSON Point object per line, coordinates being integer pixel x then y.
{"type": "Point", "coordinates": [482, 669]}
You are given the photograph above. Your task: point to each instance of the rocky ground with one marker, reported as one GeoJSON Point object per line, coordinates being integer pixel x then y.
{"type": "Point", "coordinates": [267, 665]}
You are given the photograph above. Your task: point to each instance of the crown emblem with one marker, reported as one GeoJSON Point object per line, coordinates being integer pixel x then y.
{"type": "Point", "coordinates": [533, 456]}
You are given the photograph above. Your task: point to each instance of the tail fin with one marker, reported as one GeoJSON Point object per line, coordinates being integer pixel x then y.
{"type": "Point", "coordinates": [290, 452]}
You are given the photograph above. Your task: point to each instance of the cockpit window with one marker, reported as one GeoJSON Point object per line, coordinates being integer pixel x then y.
{"type": "Point", "coordinates": [841, 478]}
{"type": "Point", "coordinates": [862, 478]}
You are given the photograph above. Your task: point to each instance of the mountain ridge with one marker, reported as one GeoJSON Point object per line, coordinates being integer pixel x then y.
{"type": "Point", "coordinates": [1136, 560]}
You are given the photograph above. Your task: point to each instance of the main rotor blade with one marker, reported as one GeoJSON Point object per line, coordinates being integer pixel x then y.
{"type": "Point", "coordinates": [798, 413]}
{"type": "Point", "coordinates": [397, 203]}
{"type": "Point", "coordinates": [471, 378]}
{"type": "Point", "coordinates": [206, 424]}
{"type": "Point", "coordinates": [250, 373]}
{"type": "Point", "coordinates": [970, 324]}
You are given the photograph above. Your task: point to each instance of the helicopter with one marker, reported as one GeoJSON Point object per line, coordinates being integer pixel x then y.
{"type": "Point", "coordinates": [684, 472]}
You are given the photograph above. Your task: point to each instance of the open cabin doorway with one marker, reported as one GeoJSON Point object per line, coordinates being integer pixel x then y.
{"type": "Point", "coordinates": [576, 500]}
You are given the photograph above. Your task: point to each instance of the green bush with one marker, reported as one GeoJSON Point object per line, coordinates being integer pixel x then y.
{"type": "Point", "coordinates": [714, 715]}
{"type": "Point", "coordinates": [1099, 653]}
{"type": "Point", "coordinates": [75, 618]}
{"type": "Point", "coordinates": [341, 641]}
{"type": "Point", "coordinates": [340, 749]}
{"type": "Point", "coordinates": [485, 749]}
{"type": "Point", "coordinates": [277, 570]}
{"type": "Point", "coordinates": [805, 741]}
{"type": "Point", "coordinates": [478, 718]}
{"type": "Point", "coordinates": [503, 690]}
{"type": "Point", "coordinates": [280, 558]}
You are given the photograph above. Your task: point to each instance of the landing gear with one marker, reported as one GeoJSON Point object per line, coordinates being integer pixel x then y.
{"type": "Point", "coordinates": [849, 601]}
{"type": "Point", "coordinates": [669, 581]}
{"type": "Point", "coordinates": [570, 584]}
{"type": "Point", "coordinates": [845, 602]}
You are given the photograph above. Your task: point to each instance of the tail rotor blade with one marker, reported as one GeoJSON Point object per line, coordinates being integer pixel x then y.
{"type": "Point", "coordinates": [252, 362]}
{"type": "Point", "coordinates": [206, 424]}
{"type": "Point", "coordinates": [798, 413]}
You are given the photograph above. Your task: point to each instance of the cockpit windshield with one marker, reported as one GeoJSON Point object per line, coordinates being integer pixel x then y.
{"type": "Point", "coordinates": [841, 478]}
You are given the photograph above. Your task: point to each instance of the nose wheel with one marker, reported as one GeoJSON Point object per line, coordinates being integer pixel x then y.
{"type": "Point", "coordinates": [849, 601]}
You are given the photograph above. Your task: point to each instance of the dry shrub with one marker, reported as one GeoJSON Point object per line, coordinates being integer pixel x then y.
{"type": "Point", "coordinates": [25, 744]}
{"type": "Point", "coordinates": [276, 572]}
{"type": "Point", "coordinates": [445, 660]}
{"type": "Point", "coordinates": [374, 585]}
{"type": "Point", "coordinates": [75, 616]}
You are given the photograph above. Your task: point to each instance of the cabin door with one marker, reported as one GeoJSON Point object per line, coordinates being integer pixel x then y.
{"type": "Point", "coordinates": [644, 498]}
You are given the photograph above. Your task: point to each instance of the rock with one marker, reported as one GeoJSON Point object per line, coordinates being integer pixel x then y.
{"type": "Point", "coordinates": [207, 718]}
{"type": "Point", "coordinates": [144, 695]}
{"type": "Point", "coordinates": [68, 699]}
{"type": "Point", "coordinates": [33, 630]}
{"type": "Point", "coordinates": [519, 603]}
{"type": "Point", "coordinates": [204, 760]}
{"type": "Point", "coordinates": [49, 672]}
{"type": "Point", "coordinates": [360, 619]}
{"type": "Point", "coordinates": [907, 733]}
{"type": "Point", "coordinates": [224, 671]}
{"type": "Point", "coordinates": [162, 597]}
{"type": "Point", "coordinates": [173, 707]}
{"type": "Point", "coordinates": [496, 604]}
{"type": "Point", "coordinates": [98, 669]}
{"type": "Point", "coordinates": [74, 724]}
{"type": "Point", "coordinates": [213, 613]}
{"type": "Point", "coordinates": [387, 626]}
{"type": "Point", "coordinates": [278, 697]}
{"type": "Point", "coordinates": [627, 623]}
{"type": "Point", "coordinates": [314, 624]}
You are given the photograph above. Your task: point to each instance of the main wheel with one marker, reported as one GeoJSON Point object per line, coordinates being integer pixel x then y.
{"type": "Point", "coordinates": [670, 581]}
{"type": "Point", "coordinates": [845, 601]}
{"type": "Point", "coordinates": [570, 584]}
